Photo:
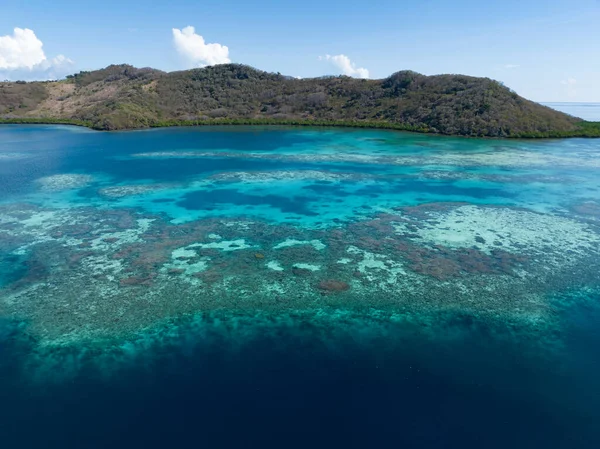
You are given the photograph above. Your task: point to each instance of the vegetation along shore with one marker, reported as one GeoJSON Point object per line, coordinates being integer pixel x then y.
{"type": "Point", "coordinates": [123, 97]}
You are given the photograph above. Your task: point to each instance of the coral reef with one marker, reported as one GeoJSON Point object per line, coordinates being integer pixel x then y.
{"type": "Point", "coordinates": [91, 273]}
{"type": "Point", "coordinates": [508, 158]}
{"type": "Point", "coordinates": [132, 190]}
{"type": "Point", "coordinates": [588, 208]}
{"type": "Point", "coordinates": [14, 156]}
{"type": "Point", "coordinates": [333, 286]}
{"type": "Point", "coordinates": [56, 183]}
{"type": "Point", "coordinates": [283, 175]}
{"type": "Point", "coordinates": [334, 231]}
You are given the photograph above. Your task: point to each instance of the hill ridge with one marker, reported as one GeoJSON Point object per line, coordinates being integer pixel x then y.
{"type": "Point", "coordinates": [122, 96]}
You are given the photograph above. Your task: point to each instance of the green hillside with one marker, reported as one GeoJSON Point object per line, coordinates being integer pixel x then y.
{"type": "Point", "coordinates": [125, 97]}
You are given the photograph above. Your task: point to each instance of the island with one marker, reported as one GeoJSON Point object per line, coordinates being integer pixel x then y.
{"type": "Point", "coordinates": [121, 97]}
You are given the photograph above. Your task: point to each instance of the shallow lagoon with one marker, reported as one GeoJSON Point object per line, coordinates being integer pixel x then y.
{"type": "Point", "coordinates": [296, 278]}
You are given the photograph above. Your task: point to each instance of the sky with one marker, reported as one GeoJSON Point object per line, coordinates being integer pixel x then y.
{"type": "Point", "coordinates": [545, 50]}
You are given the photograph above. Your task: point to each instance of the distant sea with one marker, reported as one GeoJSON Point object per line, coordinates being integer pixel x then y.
{"type": "Point", "coordinates": [586, 111]}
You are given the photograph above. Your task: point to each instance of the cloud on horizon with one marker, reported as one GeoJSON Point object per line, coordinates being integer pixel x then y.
{"type": "Point", "coordinates": [347, 67]}
{"type": "Point", "coordinates": [22, 57]}
{"type": "Point", "coordinates": [195, 51]}
{"type": "Point", "coordinates": [570, 84]}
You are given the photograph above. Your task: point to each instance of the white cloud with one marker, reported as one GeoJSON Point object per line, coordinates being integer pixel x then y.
{"type": "Point", "coordinates": [56, 67]}
{"type": "Point", "coordinates": [511, 66]}
{"type": "Point", "coordinates": [21, 50]}
{"type": "Point", "coordinates": [343, 63]}
{"type": "Point", "coordinates": [570, 84]}
{"type": "Point", "coordinates": [22, 57]}
{"type": "Point", "coordinates": [195, 51]}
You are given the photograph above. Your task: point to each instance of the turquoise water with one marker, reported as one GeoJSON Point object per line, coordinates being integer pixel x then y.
{"type": "Point", "coordinates": [295, 276]}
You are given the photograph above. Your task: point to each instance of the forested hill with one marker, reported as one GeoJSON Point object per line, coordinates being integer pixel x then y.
{"type": "Point", "coordinates": [124, 97]}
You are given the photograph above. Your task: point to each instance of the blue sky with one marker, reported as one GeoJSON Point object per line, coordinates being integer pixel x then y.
{"type": "Point", "coordinates": [545, 50]}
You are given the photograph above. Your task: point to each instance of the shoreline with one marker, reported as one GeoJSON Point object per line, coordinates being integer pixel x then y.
{"type": "Point", "coordinates": [586, 129]}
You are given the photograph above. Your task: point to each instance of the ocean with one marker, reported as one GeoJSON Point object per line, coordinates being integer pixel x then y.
{"type": "Point", "coordinates": [586, 111]}
{"type": "Point", "coordinates": [290, 287]}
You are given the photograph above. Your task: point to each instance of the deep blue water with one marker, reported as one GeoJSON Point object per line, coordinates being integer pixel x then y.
{"type": "Point", "coordinates": [449, 378]}
{"type": "Point", "coordinates": [296, 392]}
